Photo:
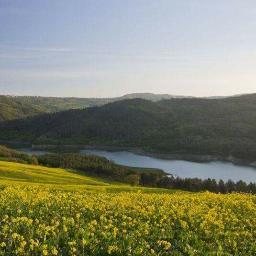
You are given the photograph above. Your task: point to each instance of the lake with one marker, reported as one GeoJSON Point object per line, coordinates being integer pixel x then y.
{"type": "Point", "coordinates": [184, 169]}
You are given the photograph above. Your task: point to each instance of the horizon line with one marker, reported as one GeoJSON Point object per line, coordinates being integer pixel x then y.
{"type": "Point", "coordinates": [134, 93]}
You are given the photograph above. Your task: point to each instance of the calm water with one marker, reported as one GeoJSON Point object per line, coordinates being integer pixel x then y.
{"type": "Point", "coordinates": [184, 169]}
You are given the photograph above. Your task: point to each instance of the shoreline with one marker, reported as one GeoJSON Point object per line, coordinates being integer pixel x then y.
{"type": "Point", "coordinates": [199, 158]}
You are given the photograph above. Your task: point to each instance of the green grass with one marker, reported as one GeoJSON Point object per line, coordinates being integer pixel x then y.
{"type": "Point", "coordinates": [12, 173]}
{"type": "Point", "coordinates": [39, 174]}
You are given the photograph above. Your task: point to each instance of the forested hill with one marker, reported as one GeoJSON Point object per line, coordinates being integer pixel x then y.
{"type": "Point", "coordinates": [15, 107]}
{"type": "Point", "coordinates": [225, 126]}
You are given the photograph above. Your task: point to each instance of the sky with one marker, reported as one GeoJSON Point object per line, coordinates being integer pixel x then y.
{"type": "Point", "coordinates": [107, 48]}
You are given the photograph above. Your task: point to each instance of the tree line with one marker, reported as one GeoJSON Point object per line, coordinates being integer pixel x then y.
{"type": "Point", "coordinates": [12, 155]}
{"type": "Point", "coordinates": [196, 185]}
{"type": "Point", "coordinates": [100, 166]}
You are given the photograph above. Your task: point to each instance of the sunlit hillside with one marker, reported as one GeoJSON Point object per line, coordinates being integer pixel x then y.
{"type": "Point", "coordinates": [12, 174]}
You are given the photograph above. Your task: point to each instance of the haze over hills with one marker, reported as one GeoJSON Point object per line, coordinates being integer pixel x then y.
{"type": "Point", "coordinates": [225, 126]}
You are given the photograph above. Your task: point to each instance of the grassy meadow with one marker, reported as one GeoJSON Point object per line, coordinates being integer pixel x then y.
{"type": "Point", "coordinates": [52, 211]}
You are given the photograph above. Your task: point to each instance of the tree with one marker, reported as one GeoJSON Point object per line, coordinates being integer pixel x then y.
{"type": "Point", "coordinates": [133, 179]}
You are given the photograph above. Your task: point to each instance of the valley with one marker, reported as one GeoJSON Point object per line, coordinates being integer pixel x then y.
{"type": "Point", "coordinates": [127, 128]}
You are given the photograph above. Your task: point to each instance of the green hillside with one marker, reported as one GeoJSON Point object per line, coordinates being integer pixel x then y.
{"type": "Point", "coordinates": [24, 106]}
{"type": "Point", "coordinates": [223, 127]}
{"type": "Point", "coordinates": [11, 108]}
{"type": "Point", "coordinates": [16, 172]}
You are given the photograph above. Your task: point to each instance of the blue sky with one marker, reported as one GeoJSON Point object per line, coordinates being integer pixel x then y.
{"type": "Point", "coordinates": [101, 48]}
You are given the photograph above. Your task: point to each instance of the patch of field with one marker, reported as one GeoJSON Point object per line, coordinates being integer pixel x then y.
{"type": "Point", "coordinates": [16, 172]}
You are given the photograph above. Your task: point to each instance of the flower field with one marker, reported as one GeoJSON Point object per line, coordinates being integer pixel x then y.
{"type": "Point", "coordinates": [53, 211]}
{"type": "Point", "coordinates": [41, 220]}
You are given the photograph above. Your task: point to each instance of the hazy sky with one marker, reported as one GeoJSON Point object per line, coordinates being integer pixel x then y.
{"type": "Point", "coordinates": [112, 47]}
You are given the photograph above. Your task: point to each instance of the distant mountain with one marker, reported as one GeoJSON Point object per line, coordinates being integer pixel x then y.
{"type": "Point", "coordinates": [15, 107]}
{"type": "Point", "coordinates": [150, 96]}
{"type": "Point", "coordinates": [225, 126]}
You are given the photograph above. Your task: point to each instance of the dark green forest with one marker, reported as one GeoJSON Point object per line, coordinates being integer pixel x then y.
{"type": "Point", "coordinates": [223, 127]}
{"type": "Point", "coordinates": [12, 155]}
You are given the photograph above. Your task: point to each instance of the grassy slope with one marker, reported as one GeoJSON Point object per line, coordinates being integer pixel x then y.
{"type": "Point", "coordinates": [23, 174]}
{"type": "Point", "coordinates": [40, 174]}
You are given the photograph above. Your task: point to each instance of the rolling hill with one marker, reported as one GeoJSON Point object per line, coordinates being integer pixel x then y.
{"type": "Point", "coordinates": [19, 174]}
{"type": "Point", "coordinates": [15, 107]}
{"type": "Point", "coordinates": [224, 127]}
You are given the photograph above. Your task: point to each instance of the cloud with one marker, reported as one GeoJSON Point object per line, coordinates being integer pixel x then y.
{"type": "Point", "coordinates": [45, 49]}
{"type": "Point", "coordinates": [16, 74]}
{"type": "Point", "coordinates": [5, 47]}
{"type": "Point", "coordinates": [19, 53]}
{"type": "Point", "coordinates": [195, 57]}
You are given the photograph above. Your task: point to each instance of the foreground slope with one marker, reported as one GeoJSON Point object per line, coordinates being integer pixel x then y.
{"type": "Point", "coordinates": [52, 211]}
{"type": "Point", "coordinates": [224, 127]}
